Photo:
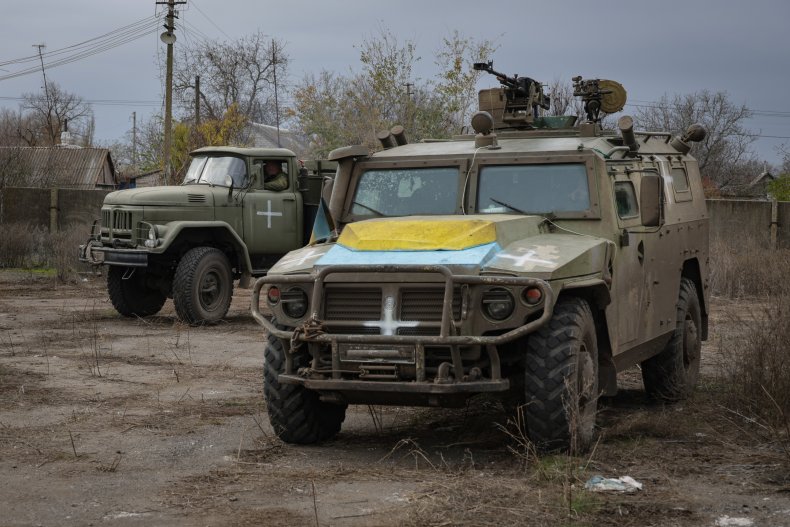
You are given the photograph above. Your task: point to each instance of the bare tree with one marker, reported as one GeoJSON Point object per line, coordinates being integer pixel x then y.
{"type": "Point", "coordinates": [49, 112]}
{"type": "Point", "coordinates": [725, 156]}
{"type": "Point", "coordinates": [457, 80]}
{"type": "Point", "coordinates": [240, 72]}
{"type": "Point", "coordinates": [333, 110]}
{"type": "Point", "coordinates": [16, 128]}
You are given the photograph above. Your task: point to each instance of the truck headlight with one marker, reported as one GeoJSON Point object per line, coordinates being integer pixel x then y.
{"type": "Point", "coordinates": [294, 302]}
{"type": "Point", "coordinates": [498, 304]}
{"type": "Point", "coordinates": [153, 238]}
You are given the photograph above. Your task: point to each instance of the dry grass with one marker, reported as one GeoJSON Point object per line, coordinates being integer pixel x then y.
{"type": "Point", "coordinates": [754, 371]}
{"type": "Point", "coordinates": [27, 246]}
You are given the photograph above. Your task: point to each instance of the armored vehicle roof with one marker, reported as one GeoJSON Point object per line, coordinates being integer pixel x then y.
{"type": "Point", "coordinates": [534, 142]}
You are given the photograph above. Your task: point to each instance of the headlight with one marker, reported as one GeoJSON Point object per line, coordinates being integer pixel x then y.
{"type": "Point", "coordinates": [294, 302]}
{"type": "Point", "coordinates": [153, 236]}
{"type": "Point", "coordinates": [498, 304]}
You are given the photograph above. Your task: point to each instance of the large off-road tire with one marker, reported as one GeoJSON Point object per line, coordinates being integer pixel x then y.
{"type": "Point", "coordinates": [203, 286]}
{"type": "Point", "coordinates": [296, 414]}
{"type": "Point", "coordinates": [130, 296]}
{"type": "Point", "coordinates": [672, 374]}
{"type": "Point", "coordinates": [561, 379]}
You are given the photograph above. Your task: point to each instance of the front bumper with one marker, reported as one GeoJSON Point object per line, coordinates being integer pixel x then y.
{"type": "Point", "coordinates": [447, 337]}
{"type": "Point", "coordinates": [95, 253]}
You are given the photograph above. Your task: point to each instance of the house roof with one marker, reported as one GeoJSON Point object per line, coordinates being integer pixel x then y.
{"type": "Point", "coordinates": [68, 167]}
{"type": "Point", "coordinates": [764, 175]}
{"type": "Point", "coordinates": [265, 136]}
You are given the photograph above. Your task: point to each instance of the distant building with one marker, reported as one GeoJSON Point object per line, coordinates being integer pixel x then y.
{"type": "Point", "coordinates": [265, 136]}
{"type": "Point", "coordinates": [57, 166]}
{"type": "Point", "coordinates": [757, 188]}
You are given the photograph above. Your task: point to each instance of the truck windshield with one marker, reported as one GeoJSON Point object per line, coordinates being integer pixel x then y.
{"type": "Point", "coordinates": [406, 191]}
{"type": "Point", "coordinates": [211, 170]}
{"type": "Point", "coordinates": [533, 189]}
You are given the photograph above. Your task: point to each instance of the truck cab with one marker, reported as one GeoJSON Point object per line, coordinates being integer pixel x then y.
{"type": "Point", "coordinates": [191, 241]}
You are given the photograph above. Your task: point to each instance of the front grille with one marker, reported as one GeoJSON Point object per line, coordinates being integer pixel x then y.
{"type": "Point", "coordinates": [352, 303]}
{"type": "Point", "coordinates": [373, 310]}
{"type": "Point", "coordinates": [426, 304]}
{"type": "Point", "coordinates": [121, 221]}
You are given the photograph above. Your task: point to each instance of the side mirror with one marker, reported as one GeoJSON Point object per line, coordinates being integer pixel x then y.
{"type": "Point", "coordinates": [257, 175]}
{"type": "Point", "coordinates": [229, 184]}
{"type": "Point", "coordinates": [326, 188]}
{"type": "Point", "coordinates": [650, 200]}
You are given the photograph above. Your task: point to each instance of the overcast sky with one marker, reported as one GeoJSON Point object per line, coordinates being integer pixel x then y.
{"type": "Point", "coordinates": [652, 48]}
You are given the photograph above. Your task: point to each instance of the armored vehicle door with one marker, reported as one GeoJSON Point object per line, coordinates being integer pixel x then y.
{"type": "Point", "coordinates": [272, 219]}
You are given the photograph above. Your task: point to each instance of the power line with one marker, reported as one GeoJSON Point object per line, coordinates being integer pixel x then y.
{"type": "Point", "coordinates": [209, 19]}
{"type": "Point", "coordinates": [81, 51]}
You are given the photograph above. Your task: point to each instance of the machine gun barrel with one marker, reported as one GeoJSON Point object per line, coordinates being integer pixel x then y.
{"type": "Point", "coordinates": [510, 82]}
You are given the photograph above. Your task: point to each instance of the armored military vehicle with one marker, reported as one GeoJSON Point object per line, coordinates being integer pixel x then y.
{"type": "Point", "coordinates": [191, 241]}
{"type": "Point", "coordinates": [534, 260]}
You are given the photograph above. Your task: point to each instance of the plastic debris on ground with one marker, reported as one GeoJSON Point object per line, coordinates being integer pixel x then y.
{"type": "Point", "coordinates": [727, 521]}
{"type": "Point", "coordinates": [622, 484]}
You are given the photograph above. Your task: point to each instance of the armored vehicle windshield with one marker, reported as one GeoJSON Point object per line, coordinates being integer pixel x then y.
{"type": "Point", "coordinates": [407, 191]}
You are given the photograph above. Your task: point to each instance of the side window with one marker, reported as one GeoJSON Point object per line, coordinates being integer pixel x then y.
{"type": "Point", "coordinates": [680, 184]}
{"type": "Point", "coordinates": [264, 170]}
{"type": "Point", "coordinates": [625, 199]}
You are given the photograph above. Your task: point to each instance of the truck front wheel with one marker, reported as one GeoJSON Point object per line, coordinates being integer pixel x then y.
{"type": "Point", "coordinates": [203, 286]}
{"type": "Point", "coordinates": [296, 414]}
{"type": "Point", "coordinates": [561, 380]}
{"type": "Point", "coordinates": [130, 295]}
{"type": "Point", "coordinates": [672, 374]}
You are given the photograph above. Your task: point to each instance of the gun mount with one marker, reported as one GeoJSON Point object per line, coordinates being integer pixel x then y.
{"type": "Point", "coordinates": [522, 98]}
{"type": "Point", "coordinates": [599, 95]}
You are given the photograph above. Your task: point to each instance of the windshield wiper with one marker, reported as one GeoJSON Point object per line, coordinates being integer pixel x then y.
{"type": "Point", "coordinates": [371, 209]}
{"type": "Point", "coordinates": [508, 205]}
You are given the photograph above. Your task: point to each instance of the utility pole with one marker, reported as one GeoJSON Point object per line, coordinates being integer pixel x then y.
{"type": "Point", "coordinates": [134, 141]}
{"type": "Point", "coordinates": [46, 92]}
{"type": "Point", "coordinates": [197, 100]}
{"type": "Point", "coordinates": [169, 38]}
{"type": "Point", "coordinates": [276, 102]}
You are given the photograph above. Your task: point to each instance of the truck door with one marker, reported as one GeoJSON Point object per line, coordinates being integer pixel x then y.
{"type": "Point", "coordinates": [272, 219]}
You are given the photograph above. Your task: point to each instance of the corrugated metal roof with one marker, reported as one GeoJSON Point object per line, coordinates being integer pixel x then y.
{"type": "Point", "coordinates": [265, 136]}
{"type": "Point", "coordinates": [66, 167]}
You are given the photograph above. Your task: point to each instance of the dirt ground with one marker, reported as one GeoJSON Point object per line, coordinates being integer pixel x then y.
{"type": "Point", "coordinates": [112, 421]}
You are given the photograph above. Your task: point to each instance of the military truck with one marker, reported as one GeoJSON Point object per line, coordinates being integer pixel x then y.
{"type": "Point", "coordinates": [191, 241]}
{"type": "Point", "coordinates": [532, 260]}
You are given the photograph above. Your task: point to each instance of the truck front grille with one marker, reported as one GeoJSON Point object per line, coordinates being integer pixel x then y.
{"type": "Point", "coordinates": [116, 225]}
{"type": "Point", "coordinates": [361, 304]}
{"type": "Point", "coordinates": [373, 310]}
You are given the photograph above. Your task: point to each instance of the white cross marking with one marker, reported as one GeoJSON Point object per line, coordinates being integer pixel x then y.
{"type": "Point", "coordinates": [268, 213]}
{"type": "Point", "coordinates": [389, 325]}
{"type": "Point", "coordinates": [527, 257]}
{"type": "Point", "coordinates": [302, 257]}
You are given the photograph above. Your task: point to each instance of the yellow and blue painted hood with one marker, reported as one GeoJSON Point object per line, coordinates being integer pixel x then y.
{"type": "Point", "coordinates": [509, 244]}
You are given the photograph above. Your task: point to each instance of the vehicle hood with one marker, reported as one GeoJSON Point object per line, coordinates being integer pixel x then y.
{"type": "Point", "coordinates": [187, 196]}
{"type": "Point", "coordinates": [475, 244]}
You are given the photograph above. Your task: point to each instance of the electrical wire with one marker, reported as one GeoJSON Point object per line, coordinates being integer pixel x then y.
{"type": "Point", "coordinates": [82, 51]}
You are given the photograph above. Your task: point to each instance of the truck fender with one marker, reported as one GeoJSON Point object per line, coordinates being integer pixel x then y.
{"type": "Point", "coordinates": [174, 230]}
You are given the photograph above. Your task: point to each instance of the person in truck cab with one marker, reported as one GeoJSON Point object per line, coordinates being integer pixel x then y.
{"type": "Point", "coordinates": [273, 176]}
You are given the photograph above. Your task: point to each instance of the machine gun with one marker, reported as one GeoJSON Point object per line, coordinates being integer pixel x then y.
{"type": "Point", "coordinates": [523, 95]}
{"type": "Point", "coordinates": [599, 95]}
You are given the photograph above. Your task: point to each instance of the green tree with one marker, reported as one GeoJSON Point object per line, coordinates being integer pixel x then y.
{"type": "Point", "coordinates": [334, 110]}
{"type": "Point", "coordinates": [779, 188]}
